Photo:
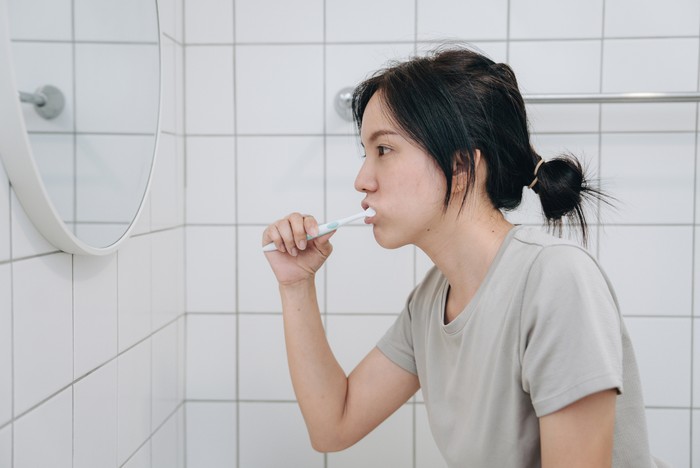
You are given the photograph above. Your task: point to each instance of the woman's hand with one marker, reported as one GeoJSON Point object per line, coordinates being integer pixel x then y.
{"type": "Point", "coordinates": [296, 258]}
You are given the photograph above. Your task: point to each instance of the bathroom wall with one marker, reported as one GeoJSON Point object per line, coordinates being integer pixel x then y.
{"type": "Point", "coordinates": [92, 348]}
{"type": "Point", "coordinates": [263, 139]}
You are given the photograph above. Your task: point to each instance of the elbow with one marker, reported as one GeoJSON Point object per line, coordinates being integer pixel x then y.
{"type": "Point", "coordinates": [329, 442]}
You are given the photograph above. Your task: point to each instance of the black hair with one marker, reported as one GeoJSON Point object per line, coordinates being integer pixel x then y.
{"type": "Point", "coordinates": [454, 101]}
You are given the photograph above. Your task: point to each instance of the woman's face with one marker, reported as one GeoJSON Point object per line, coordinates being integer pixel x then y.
{"type": "Point", "coordinates": [401, 181]}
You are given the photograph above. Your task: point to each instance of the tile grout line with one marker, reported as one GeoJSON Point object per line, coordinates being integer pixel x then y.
{"type": "Point", "coordinates": [600, 132]}
{"type": "Point", "coordinates": [185, 321]}
{"type": "Point", "coordinates": [237, 359]}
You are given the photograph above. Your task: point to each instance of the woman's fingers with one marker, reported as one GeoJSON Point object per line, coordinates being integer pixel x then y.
{"type": "Point", "coordinates": [290, 234]}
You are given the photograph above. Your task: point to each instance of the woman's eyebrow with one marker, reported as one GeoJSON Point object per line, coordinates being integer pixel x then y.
{"type": "Point", "coordinates": [378, 134]}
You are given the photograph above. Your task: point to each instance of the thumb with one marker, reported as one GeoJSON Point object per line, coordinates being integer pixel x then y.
{"type": "Point", "coordinates": [323, 244]}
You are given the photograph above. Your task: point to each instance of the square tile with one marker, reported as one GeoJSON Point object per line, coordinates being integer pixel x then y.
{"type": "Point", "coordinates": [209, 21]}
{"type": "Point", "coordinates": [674, 18]}
{"type": "Point", "coordinates": [211, 357]}
{"type": "Point", "coordinates": [390, 444]}
{"type": "Point", "coordinates": [43, 333]}
{"type": "Point", "coordinates": [291, 180]}
{"type": "Point", "coordinates": [124, 21]}
{"type": "Point", "coordinates": [181, 358]}
{"type": "Point", "coordinates": [279, 21]}
{"type": "Point", "coordinates": [166, 18]}
{"type": "Point", "coordinates": [564, 118]}
{"type": "Point", "coordinates": [352, 338]}
{"type": "Point", "coordinates": [556, 66]}
{"type": "Point", "coordinates": [211, 269]}
{"type": "Point", "coordinates": [365, 278]}
{"type": "Point", "coordinates": [211, 435]}
{"type": "Point", "coordinates": [646, 191]}
{"type": "Point", "coordinates": [279, 89]}
{"type": "Point", "coordinates": [354, 24]}
{"type": "Point", "coordinates": [40, 19]}
{"type": "Point", "coordinates": [349, 64]}
{"type": "Point", "coordinates": [134, 400]}
{"type": "Point", "coordinates": [166, 190]}
{"type": "Point", "coordinates": [427, 453]}
{"type": "Point", "coordinates": [135, 292]}
{"type": "Point", "coordinates": [42, 437]}
{"type": "Point", "coordinates": [40, 64]}
{"type": "Point", "coordinates": [164, 375]}
{"type": "Point", "coordinates": [167, 277]}
{"type": "Point", "coordinates": [540, 19]}
{"type": "Point", "coordinates": [668, 435]}
{"type": "Point", "coordinates": [279, 425]}
{"type": "Point", "coordinates": [627, 67]}
{"type": "Point", "coordinates": [640, 289]}
{"type": "Point", "coordinates": [131, 73]}
{"type": "Point", "coordinates": [263, 371]}
{"type": "Point", "coordinates": [467, 20]}
{"type": "Point", "coordinates": [95, 419]}
{"type": "Point", "coordinates": [95, 314]}
{"type": "Point", "coordinates": [211, 180]}
{"type": "Point", "coordinates": [258, 289]}
{"type": "Point", "coordinates": [662, 347]}
{"type": "Point", "coordinates": [5, 344]}
{"type": "Point", "coordinates": [209, 89]}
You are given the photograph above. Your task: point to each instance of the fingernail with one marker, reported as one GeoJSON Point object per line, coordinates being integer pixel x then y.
{"type": "Point", "coordinates": [293, 252]}
{"type": "Point", "coordinates": [302, 244]}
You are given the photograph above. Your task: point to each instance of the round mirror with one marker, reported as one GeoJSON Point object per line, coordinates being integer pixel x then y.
{"type": "Point", "coordinates": [79, 114]}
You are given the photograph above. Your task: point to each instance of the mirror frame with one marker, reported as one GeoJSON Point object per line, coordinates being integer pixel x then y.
{"type": "Point", "coordinates": [18, 159]}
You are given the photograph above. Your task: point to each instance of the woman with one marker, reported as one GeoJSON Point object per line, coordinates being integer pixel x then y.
{"type": "Point", "coordinates": [515, 336]}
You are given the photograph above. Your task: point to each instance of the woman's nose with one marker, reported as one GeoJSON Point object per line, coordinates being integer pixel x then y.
{"type": "Point", "coordinates": [365, 180]}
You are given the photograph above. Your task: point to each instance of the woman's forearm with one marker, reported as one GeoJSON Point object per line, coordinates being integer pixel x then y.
{"type": "Point", "coordinates": [319, 382]}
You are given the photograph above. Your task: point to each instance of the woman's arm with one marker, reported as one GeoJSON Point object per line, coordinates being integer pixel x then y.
{"type": "Point", "coordinates": [581, 434]}
{"type": "Point", "coordinates": [338, 410]}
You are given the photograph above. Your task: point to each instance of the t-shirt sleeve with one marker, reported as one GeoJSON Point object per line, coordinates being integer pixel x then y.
{"type": "Point", "coordinates": [570, 335]}
{"type": "Point", "coordinates": [397, 342]}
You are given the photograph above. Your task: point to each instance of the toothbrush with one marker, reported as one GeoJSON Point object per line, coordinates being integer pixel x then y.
{"type": "Point", "coordinates": [324, 229]}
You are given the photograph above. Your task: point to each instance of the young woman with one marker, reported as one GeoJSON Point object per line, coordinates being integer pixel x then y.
{"type": "Point", "coordinates": [515, 336]}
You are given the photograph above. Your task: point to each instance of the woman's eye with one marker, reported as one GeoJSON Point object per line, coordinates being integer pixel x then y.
{"type": "Point", "coordinates": [383, 150]}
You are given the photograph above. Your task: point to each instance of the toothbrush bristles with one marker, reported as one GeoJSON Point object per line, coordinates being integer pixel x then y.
{"type": "Point", "coordinates": [370, 211]}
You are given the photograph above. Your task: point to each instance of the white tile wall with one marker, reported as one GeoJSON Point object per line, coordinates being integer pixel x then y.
{"type": "Point", "coordinates": [167, 185]}
{"type": "Point", "coordinates": [5, 343]}
{"type": "Point", "coordinates": [209, 21]}
{"type": "Point", "coordinates": [663, 350]}
{"type": "Point", "coordinates": [167, 276]}
{"type": "Point", "coordinates": [263, 373]}
{"type": "Point", "coordinates": [648, 117]}
{"type": "Point", "coordinates": [135, 291]}
{"type": "Point", "coordinates": [556, 66]}
{"type": "Point", "coordinates": [390, 20]}
{"type": "Point", "coordinates": [134, 399]}
{"type": "Point", "coordinates": [290, 178]}
{"type": "Point", "coordinates": [467, 20]}
{"type": "Point", "coordinates": [164, 445]}
{"type": "Point", "coordinates": [43, 332]}
{"type": "Point", "coordinates": [353, 337]}
{"type": "Point", "coordinates": [211, 269]}
{"type": "Point", "coordinates": [26, 240]}
{"type": "Point", "coordinates": [125, 21]}
{"type": "Point", "coordinates": [95, 319]}
{"type": "Point", "coordinates": [540, 19]}
{"type": "Point", "coordinates": [54, 155]}
{"type": "Point", "coordinates": [209, 89]}
{"type": "Point", "coordinates": [6, 447]}
{"type": "Point", "coordinates": [211, 435]}
{"type": "Point", "coordinates": [211, 357]}
{"type": "Point", "coordinates": [665, 249]}
{"type": "Point", "coordinates": [628, 68]}
{"type": "Point", "coordinates": [279, 21]}
{"type": "Point", "coordinates": [676, 18]}
{"type": "Point", "coordinates": [668, 435]}
{"type": "Point", "coordinates": [274, 94]}
{"type": "Point", "coordinates": [141, 459]}
{"type": "Point", "coordinates": [95, 419]}
{"type": "Point", "coordinates": [564, 118]}
{"type": "Point", "coordinates": [50, 19]}
{"type": "Point", "coordinates": [164, 379]}
{"type": "Point", "coordinates": [5, 226]}
{"type": "Point", "coordinates": [211, 180]}
{"type": "Point", "coordinates": [357, 273]}
{"type": "Point", "coordinates": [390, 444]}
{"type": "Point", "coordinates": [344, 159]}
{"type": "Point", "coordinates": [278, 425]}
{"type": "Point", "coordinates": [43, 436]}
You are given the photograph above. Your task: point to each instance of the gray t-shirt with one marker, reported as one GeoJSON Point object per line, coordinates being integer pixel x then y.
{"type": "Point", "coordinates": [543, 331]}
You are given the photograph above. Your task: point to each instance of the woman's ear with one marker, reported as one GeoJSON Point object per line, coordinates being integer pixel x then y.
{"type": "Point", "coordinates": [459, 172]}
